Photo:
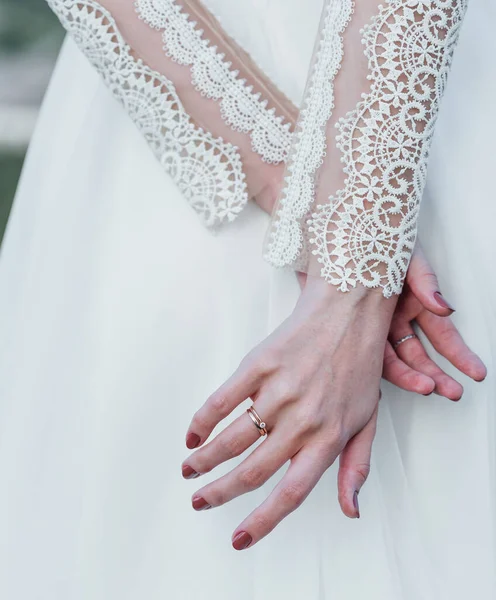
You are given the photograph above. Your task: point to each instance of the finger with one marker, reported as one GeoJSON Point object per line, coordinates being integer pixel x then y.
{"type": "Point", "coordinates": [229, 443]}
{"type": "Point", "coordinates": [253, 472]}
{"type": "Point", "coordinates": [303, 474]}
{"type": "Point", "coordinates": [240, 386]}
{"type": "Point", "coordinates": [424, 284]}
{"type": "Point", "coordinates": [446, 339]}
{"type": "Point", "coordinates": [400, 374]}
{"type": "Point", "coordinates": [414, 355]}
{"type": "Point", "coordinates": [354, 468]}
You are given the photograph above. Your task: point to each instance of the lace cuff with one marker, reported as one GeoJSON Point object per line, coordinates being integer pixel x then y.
{"type": "Point", "coordinates": [349, 206]}
{"type": "Point", "coordinates": [213, 120]}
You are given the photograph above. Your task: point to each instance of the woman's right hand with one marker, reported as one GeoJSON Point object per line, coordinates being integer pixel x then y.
{"type": "Point", "coordinates": [409, 366]}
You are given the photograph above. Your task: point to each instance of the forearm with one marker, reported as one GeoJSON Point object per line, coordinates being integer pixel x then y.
{"type": "Point", "coordinates": [218, 127]}
{"type": "Point", "coordinates": [349, 207]}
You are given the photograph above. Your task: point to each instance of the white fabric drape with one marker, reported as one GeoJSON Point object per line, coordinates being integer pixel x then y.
{"type": "Point", "coordinates": [110, 342]}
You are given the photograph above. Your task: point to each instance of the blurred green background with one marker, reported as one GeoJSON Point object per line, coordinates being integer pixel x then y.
{"type": "Point", "coordinates": [30, 38]}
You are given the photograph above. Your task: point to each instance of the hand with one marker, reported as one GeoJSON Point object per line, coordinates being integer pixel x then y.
{"type": "Point", "coordinates": [409, 366]}
{"type": "Point", "coordinates": [303, 382]}
{"type": "Point", "coordinates": [419, 299]}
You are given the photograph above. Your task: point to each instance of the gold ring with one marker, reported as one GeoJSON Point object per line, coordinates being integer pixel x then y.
{"type": "Point", "coordinates": [255, 417]}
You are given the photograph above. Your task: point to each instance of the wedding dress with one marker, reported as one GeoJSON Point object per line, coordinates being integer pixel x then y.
{"type": "Point", "coordinates": [121, 312]}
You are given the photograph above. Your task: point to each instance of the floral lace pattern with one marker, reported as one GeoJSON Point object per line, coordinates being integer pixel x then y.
{"type": "Point", "coordinates": [207, 170]}
{"type": "Point", "coordinates": [287, 238]}
{"type": "Point", "coordinates": [366, 232]}
{"type": "Point", "coordinates": [241, 108]}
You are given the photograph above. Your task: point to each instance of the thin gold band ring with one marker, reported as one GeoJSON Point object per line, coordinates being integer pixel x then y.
{"type": "Point", "coordinates": [255, 417]}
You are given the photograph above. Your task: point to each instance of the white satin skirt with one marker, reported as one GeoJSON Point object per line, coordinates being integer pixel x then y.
{"type": "Point", "coordinates": [120, 314]}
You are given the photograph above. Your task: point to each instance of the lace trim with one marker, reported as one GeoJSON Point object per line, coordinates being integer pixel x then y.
{"type": "Point", "coordinates": [208, 171]}
{"type": "Point", "coordinates": [241, 108]}
{"type": "Point", "coordinates": [286, 239]}
{"type": "Point", "coordinates": [366, 232]}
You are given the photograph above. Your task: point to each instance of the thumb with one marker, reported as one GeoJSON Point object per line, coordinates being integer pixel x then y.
{"type": "Point", "coordinates": [354, 468]}
{"type": "Point", "coordinates": [424, 284]}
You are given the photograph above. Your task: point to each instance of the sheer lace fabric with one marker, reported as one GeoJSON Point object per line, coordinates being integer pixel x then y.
{"type": "Point", "coordinates": [211, 117]}
{"type": "Point", "coordinates": [349, 204]}
{"type": "Point", "coordinates": [349, 207]}
{"type": "Point", "coordinates": [213, 75]}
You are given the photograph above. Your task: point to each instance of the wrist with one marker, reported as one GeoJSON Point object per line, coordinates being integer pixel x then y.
{"type": "Point", "coordinates": [360, 302]}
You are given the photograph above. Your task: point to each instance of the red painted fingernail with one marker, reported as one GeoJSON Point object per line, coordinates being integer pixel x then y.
{"type": "Point", "coordinates": [189, 472]}
{"type": "Point", "coordinates": [192, 440]}
{"type": "Point", "coordinates": [242, 540]}
{"type": "Point", "coordinates": [443, 303]}
{"type": "Point", "coordinates": [200, 503]}
{"type": "Point", "coordinates": [355, 504]}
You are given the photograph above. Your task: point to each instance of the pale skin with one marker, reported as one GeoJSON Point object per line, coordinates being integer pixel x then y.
{"type": "Point", "coordinates": [302, 381]}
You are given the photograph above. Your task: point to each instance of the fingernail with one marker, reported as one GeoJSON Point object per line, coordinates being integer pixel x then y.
{"type": "Point", "coordinates": [200, 503]}
{"type": "Point", "coordinates": [242, 540]}
{"type": "Point", "coordinates": [355, 504]}
{"type": "Point", "coordinates": [443, 303]}
{"type": "Point", "coordinates": [189, 472]}
{"type": "Point", "coordinates": [192, 440]}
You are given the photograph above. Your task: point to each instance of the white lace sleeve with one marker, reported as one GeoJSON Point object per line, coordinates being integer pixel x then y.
{"type": "Point", "coordinates": [349, 207]}
{"type": "Point", "coordinates": [215, 123]}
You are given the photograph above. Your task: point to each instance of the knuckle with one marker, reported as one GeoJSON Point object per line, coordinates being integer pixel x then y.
{"type": "Point", "coordinates": [423, 364]}
{"type": "Point", "coordinates": [252, 478]}
{"type": "Point", "coordinates": [219, 404]}
{"type": "Point", "coordinates": [447, 335]}
{"type": "Point", "coordinates": [308, 420]}
{"type": "Point", "coordinates": [230, 446]}
{"type": "Point", "coordinates": [261, 362]}
{"type": "Point", "coordinates": [390, 359]}
{"type": "Point", "coordinates": [252, 363]}
{"type": "Point", "coordinates": [215, 497]}
{"type": "Point", "coordinates": [363, 471]}
{"type": "Point", "coordinates": [285, 391]}
{"type": "Point", "coordinates": [336, 437]}
{"type": "Point", "coordinates": [428, 278]}
{"type": "Point", "coordinates": [293, 494]}
{"type": "Point", "coordinates": [262, 523]}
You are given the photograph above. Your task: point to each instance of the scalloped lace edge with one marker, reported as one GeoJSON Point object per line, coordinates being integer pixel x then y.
{"type": "Point", "coordinates": [286, 242]}
{"type": "Point", "coordinates": [208, 171]}
{"type": "Point", "coordinates": [368, 247]}
{"type": "Point", "coordinates": [241, 108]}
